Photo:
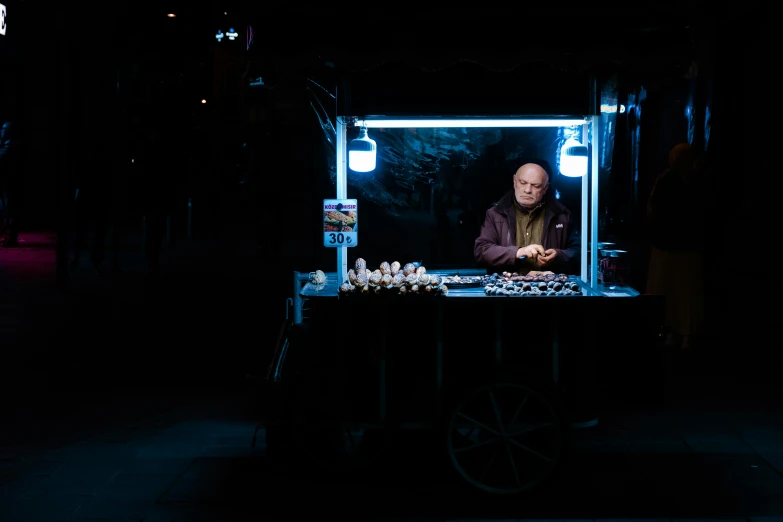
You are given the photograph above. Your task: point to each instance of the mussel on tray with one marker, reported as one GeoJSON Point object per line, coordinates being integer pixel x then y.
{"type": "Point", "coordinates": [392, 278]}
{"type": "Point", "coordinates": [532, 284]}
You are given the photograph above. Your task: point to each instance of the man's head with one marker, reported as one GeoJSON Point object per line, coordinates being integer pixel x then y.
{"type": "Point", "coordinates": [531, 182]}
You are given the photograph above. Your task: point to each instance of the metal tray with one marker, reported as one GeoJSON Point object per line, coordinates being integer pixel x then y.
{"type": "Point", "coordinates": [463, 281]}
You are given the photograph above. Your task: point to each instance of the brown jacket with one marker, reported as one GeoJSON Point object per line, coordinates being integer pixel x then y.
{"type": "Point", "coordinates": [496, 247]}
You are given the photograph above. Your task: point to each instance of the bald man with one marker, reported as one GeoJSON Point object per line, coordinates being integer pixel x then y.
{"type": "Point", "coordinates": [527, 230]}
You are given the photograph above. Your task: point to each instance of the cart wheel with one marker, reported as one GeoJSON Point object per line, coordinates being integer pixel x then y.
{"type": "Point", "coordinates": [505, 437]}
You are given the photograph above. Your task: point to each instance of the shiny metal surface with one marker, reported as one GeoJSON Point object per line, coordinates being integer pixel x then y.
{"type": "Point", "coordinates": [612, 253]}
{"type": "Point", "coordinates": [332, 285]}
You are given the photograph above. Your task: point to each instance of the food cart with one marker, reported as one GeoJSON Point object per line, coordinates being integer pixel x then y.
{"type": "Point", "coordinates": [398, 345]}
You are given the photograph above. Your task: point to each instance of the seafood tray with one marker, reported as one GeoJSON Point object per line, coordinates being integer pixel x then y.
{"type": "Point", "coordinates": [392, 278]}
{"type": "Point", "coordinates": [532, 284]}
{"type": "Point", "coordinates": [458, 281]}
{"type": "Point", "coordinates": [530, 277]}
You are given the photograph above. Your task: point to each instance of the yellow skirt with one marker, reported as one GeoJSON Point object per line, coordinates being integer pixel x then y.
{"type": "Point", "coordinates": [679, 277]}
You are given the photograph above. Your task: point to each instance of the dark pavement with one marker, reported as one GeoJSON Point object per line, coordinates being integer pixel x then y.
{"type": "Point", "coordinates": [125, 400]}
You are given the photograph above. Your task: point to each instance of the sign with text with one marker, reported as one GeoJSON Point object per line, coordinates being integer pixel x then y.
{"type": "Point", "coordinates": [340, 223]}
{"type": "Point", "coordinates": [3, 17]}
{"type": "Point", "coordinates": [231, 35]}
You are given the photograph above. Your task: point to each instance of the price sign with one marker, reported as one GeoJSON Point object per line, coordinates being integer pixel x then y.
{"type": "Point", "coordinates": [340, 223]}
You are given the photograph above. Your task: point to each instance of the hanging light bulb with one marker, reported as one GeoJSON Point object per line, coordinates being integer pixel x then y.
{"type": "Point", "coordinates": [361, 152]}
{"type": "Point", "coordinates": [573, 159]}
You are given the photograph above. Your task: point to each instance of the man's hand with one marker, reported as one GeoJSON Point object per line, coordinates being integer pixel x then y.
{"type": "Point", "coordinates": [531, 251]}
{"type": "Point", "coordinates": [546, 258]}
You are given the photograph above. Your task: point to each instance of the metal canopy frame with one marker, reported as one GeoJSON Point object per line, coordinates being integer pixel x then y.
{"type": "Point", "coordinates": [589, 207]}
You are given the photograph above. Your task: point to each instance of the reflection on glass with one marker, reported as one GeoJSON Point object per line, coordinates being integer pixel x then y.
{"type": "Point", "coordinates": [431, 187]}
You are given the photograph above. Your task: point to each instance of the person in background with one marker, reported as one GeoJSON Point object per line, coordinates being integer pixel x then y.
{"type": "Point", "coordinates": [528, 229]}
{"type": "Point", "coordinates": [160, 161]}
{"type": "Point", "coordinates": [675, 220]}
{"type": "Point", "coordinates": [11, 183]}
{"type": "Point", "coordinates": [92, 202]}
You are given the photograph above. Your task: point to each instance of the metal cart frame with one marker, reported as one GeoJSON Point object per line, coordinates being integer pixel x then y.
{"type": "Point", "coordinates": [471, 429]}
{"type": "Point", "coordinates": [466, 430]}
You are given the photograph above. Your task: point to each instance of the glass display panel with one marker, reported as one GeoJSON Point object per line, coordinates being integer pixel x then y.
{"type": "Point", "coordinates": [428, 195]}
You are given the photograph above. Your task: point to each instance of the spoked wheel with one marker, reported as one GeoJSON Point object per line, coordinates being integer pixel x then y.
{"type": "Point", "coordinates": [505, 438]}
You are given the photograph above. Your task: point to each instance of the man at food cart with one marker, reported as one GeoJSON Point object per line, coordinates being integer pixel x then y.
{"type": "Point", "coordinates": [528, 229]}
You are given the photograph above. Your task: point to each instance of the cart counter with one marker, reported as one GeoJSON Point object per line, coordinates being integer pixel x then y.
{"type": "Point", "coordinates": [474, 284]}
{"type": "Point", "coordinates": [458, 337]}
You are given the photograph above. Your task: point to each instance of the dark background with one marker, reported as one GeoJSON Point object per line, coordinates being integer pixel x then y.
{"type": "Point", "coordinates": [103, 350]}
{"type": "Point", "coordinates": [69, 74]}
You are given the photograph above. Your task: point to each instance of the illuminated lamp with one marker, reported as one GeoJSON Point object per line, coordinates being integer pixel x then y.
{"type": "Point", "coordinates": [573, 159]}
{"type": "Point", "coordinates": [449, 123]}
{"type": "Point", "coordinates": [362, 152]}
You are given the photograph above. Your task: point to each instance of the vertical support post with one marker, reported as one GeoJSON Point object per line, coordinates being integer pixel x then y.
{"type": "Point", "coordinates": [594, 163]}
{"type": "Point", "coordinates": [342, 193]}
{"type": "Point", "coordinates": [555, 349]}
{"type": "Point", "coordinates": [297, 299]}
{"type": "Point", "coordinates": [587, 196]}
{"type": "Point", "coordinates": [382, 399]}
{"type": "Point", "coordinates": [190, 218]}
{"type": "Point", "coordinates": [498, 333]}
{"type": "Point", "coordinates": [439, 359]}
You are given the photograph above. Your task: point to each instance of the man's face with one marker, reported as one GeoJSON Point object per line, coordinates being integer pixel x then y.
{"type": "Point", "coordinates": [530, 185]}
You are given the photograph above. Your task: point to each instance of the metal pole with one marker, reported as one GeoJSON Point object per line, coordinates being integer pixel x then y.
{"type": "Point", "coordinates": [190, 217]}
{"type": "Point", "coordinates": [439, 360]}
{"type": "Point", "coordinates": [594, 204]}
{"type": "Point", "coordinates": [342, 193]}
{"type": "Point", "coordinates": [382, 371]}
{"type": "Point", "coordinates": [555, 325]}
{"type": "Point", "coordinates": [498, 333]}
{"type": "Point", "coordinates": [586, 198]}
{"type": "Point", "coordinates": [297, 306]}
